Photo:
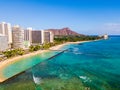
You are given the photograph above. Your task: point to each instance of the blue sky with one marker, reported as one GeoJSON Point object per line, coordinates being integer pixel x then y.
{"type": "Point", "coordinates": [82, 16]}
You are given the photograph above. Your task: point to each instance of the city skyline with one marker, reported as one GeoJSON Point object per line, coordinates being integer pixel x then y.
{"type": "Point", "coordinates": [18, 37]}
{"type": "Point", "coordinates": [85, 17]}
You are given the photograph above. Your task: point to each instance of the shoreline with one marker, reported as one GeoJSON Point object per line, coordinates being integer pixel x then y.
{"type": "Point", "coordinates": [67, 43]}
{"type": "Point", "coordinates": [12, 60]}
{"type": "Point", "coordinates": [9, 61]}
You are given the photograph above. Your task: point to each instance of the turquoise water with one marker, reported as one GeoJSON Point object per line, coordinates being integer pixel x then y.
{"type": "Point", "coordinates": [26, 63]}
{"type": "Point", "coordinates": [95, 65]}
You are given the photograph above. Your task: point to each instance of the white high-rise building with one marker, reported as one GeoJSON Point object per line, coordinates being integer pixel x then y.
{"type": "Point", "coordinates": [42, 36]}
{"type": "Point", "coordinates": [18, 37]}
{"type": "Point", "coordinates": [2, 28]}
{"type": "Point", "coordinates": [3, 42]}
{"type": "Point", "coordinates": [6, 30]}
{"type": "Point", "coordinates": [46, 36]}
{"type": "Point", "coordinates": [51, 37]}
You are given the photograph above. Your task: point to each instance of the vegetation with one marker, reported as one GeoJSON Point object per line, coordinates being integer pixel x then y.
{"type": "Point", "coordinates": [12, 53]}
{"type": "Point", "coordinates": [62, 39]}
{"type": "Point", "coordinates": [41, 47]}
{"type": "Point", "coordinates": [19, 51]}
{"type": "Point", "coordinates": [48, 45]}
{"type": "Point", "coordinates": [34, 48]}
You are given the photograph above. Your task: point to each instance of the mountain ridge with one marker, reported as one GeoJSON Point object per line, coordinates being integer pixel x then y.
{"type": "Point", "coordinates": [63, 31]}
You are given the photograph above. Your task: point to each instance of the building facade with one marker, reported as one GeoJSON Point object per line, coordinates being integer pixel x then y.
{"type": "Point", "coordinates": [27, 37]}
{"type": "Point", "coordinates": [48, 37]}
{"type": "Point", "coordinates": [18, 37]}
{"type": "Point", "coordinates": [2, 30]}
{"type": "Point", "coordinates": [51, 37]}
{"type": "Point", "coordinates": [5, 29]}
{"type": "Point", "coordinates": [8, 33]}
{"type": "Point", "coordinates": [3, 42]}
{"type": "Point", "coordinates": [41, 37]}
{"type": "Point", "coordinates": [36, 37]}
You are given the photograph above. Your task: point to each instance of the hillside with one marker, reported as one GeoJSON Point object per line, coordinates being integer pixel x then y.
{"type": "Point", "coordinates": [63, 31]}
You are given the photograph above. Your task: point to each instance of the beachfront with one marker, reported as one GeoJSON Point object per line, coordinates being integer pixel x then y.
{"type": "Point", "coordinates": [7, 62]}
{"type": "Point", "coordinates": [12, 60]}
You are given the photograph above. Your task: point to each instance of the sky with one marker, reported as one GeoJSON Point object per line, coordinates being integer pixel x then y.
{"type": "Point", "coordinates": [91, 17]}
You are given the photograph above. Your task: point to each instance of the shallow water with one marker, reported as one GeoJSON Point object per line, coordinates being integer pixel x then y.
{"type": "Point", "coordinates": [25, 63]}
{"type": "Point", "coordinates": [92, 65]}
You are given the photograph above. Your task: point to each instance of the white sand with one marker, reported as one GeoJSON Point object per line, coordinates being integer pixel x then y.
{"type": "Point", "coordinates": [58, 47]}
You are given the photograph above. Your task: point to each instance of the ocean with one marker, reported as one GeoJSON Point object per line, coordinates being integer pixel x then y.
{"type": "Point", "coordinates": [87, 66]}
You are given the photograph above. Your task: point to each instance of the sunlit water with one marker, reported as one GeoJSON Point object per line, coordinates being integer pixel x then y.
{"type": "Point", "coordinates": [91, 65]}
{"type": "Point", "coordinates": [25, 63]}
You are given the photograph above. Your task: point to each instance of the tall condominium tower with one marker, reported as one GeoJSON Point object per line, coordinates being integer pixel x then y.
{"type": "Point", "coordinates": [41, 37]}
{"type": "Point", "coordinates": [36, 37]}
{"type": "Point", "coordinates": [51, 36]}
{"type": "Point", "coordinates": [48, 37]}
{"type": "Point", "coordinates": [18, 37]}
{"type": "Point", "coordinates": [5, 29]}
{"type": "Point", "coordinates": [2, 28]}
{"type": "Point", "coordinates": [3, 42]}
{"type": "Point", "coordinates": [8, 32]}
{"type": "Point", "coordinates": [27, 37]}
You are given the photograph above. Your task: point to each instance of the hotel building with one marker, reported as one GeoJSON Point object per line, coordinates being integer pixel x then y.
{"type": "Point", "coordinates": [41, 37]}
{"type": "Point", "coordinates": [36, 37]}
{"type": "Point", "coordinates": [3, 42]}
{"type": "Point", "coordinates": [18, 37]}
{"type": "Point", "coordinates": [2, 30]}
{"type": "Point", "coordinates": [5, 29]}
{"type": "Point", "coordinates": [27, 37]}
{"type": "Point", "coordinates": [48, 37]}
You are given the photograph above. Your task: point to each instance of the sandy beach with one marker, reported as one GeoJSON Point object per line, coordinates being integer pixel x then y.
{"type": "Point", "coordinates": [67, 43]}
{"type": "Point", "coordinates": [7, 62]}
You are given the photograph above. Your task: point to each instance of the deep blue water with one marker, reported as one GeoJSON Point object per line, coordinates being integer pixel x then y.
{"type": "Point", "coordinates": [95, 64]}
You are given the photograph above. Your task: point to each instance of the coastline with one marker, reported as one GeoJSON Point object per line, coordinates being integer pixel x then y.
{"type": "Point", "coordinates": [67, 43]}
{"type": "Point", "coordinates": [12, 60]}
{"type": "Point", "coordinates": [9, 61]}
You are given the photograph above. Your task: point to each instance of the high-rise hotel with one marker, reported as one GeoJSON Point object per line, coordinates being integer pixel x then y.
{"type": "Point", "coordinates": [18, 37]}
{"type": "Point", "coordinates": [3, 42]}
{"type": "Point", "coordinates": [36, 37]}
{"type": "Point", "coordinates": [48, 36]}
{"type": "Point", "coordinates": [27, 37]}
{"type": "Point", "coordinates": [42, 36]}
{"type": "Point", "coordinates": [5, 36]}
{"type": "Point", "coordinates": [5, 30]}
